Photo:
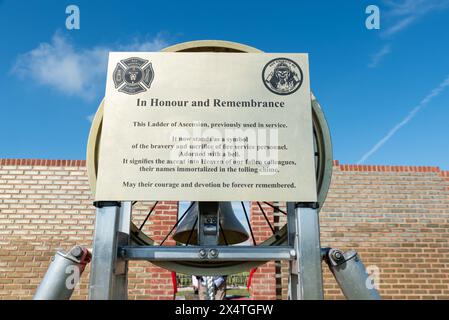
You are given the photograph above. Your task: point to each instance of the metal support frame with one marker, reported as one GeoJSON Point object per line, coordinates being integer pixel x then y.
{"type": "Point", "coordinates": [112, 251]}
{"type": "Point", "coordinates": [306, 278]}
{"type": "Point", "coordinates": [109, 273]}
{"type": "Point", "coordinates": [206, 253]}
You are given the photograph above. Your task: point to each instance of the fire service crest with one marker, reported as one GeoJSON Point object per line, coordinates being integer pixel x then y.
{"type": "Point", "coordinates": [133, 75]}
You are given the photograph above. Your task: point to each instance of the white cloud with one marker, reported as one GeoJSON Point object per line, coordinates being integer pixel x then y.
{"type": "Point", "coordinates": [399, 26]}
{"type": "Point", "coordinates": [155, 44]}
{"type": "Point", "coordinates": [414, 7]}
{"type": "Point", "coordinates": [434, 93]}
{"type": "Point", "coordinates": [378, 56]}
{"type": "Point", "coordinates": [76, 72]}
{"type": "Point", "coordinates": [402, 14]}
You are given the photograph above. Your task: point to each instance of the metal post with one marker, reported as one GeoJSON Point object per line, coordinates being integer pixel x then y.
{"type": "Point", "coordinates": [306, 278]}
{"type": "Point", "coordinates": [108, 275]}
{"type": "Point", "coordinates": [63, 274]}
{"type": "Point", "coordinates": [291, 241]}
{"type": "Point", "coordinates": [123, 239]}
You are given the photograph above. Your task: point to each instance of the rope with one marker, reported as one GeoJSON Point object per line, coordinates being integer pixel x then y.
{"type": "Point", "coordinates": [210, 290]}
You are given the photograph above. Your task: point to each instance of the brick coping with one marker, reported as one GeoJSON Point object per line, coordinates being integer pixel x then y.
{"type": "Point", "coordinates": [336, 163]}
{"type": "Point", "coordinates": [42, 162]}
{"type": "Point", "coordinates": [388, 168]}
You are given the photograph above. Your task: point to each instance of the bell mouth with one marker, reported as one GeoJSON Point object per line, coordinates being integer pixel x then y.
{"type": "Point", "coordinates": [229, 237]}
{"type": "Point", "coordinates": [230, 231]}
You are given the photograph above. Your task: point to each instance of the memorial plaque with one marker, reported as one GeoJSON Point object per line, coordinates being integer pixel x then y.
{"type": "Point", "coordinates": [207, 127]}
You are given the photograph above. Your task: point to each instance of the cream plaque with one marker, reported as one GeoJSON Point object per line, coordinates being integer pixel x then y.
{"type": "Point", "coordinates": [207, 127]}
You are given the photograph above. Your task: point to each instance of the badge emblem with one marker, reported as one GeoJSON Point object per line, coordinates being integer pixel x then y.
{"type": "Point", "coordinates": [133, 75]}
{"type": "Point", "coordinates": [282, 76]}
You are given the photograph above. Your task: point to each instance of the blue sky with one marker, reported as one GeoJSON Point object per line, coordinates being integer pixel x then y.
{"type": "Point", "coordinates": [383, 91]}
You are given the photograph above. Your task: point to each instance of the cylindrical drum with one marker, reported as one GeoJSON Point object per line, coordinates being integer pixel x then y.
{"type": "Point", "coordinates": [351, 275]}
{"type": "Point", "coordinates": [63, 275]}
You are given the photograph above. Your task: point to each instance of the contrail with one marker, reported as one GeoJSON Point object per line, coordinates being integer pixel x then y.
{"type": "Point", "coordinates": [435, 92]}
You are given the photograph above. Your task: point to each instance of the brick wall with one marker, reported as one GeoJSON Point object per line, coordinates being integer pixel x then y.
{"type": "Point", "coordinates": [263, 285]}
{"type": "Point", "coordinates": [159, 280]}
{"type": "Point", "coordinates": [396, 217]}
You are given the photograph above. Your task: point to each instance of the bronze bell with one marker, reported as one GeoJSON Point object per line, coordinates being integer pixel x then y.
{"type": "Point", "coordinates": [230, 230]}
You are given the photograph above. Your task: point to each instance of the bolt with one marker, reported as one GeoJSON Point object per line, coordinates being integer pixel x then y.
{"type": "Point", "coordinates": [202, 253]}
{"type": "Point", "coordinates": [293, 253]}
{"type": "Point", "coordinates": [77, 252]}
{"type": "Point", "coordinates": [337, 255]}
{"type": "Point", "coordinates": [213, 253]}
